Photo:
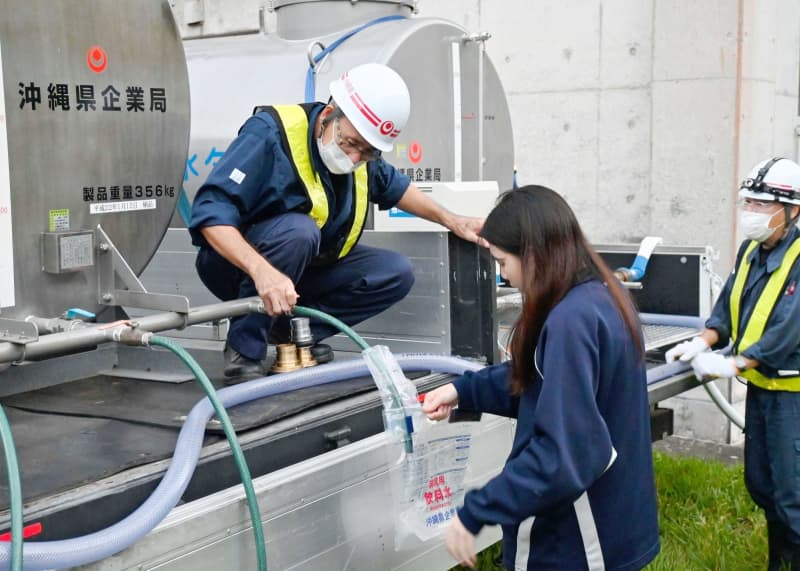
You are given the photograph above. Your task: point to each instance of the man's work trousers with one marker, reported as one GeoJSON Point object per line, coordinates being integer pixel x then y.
{"type": "Point", "coordinates": [352, 289]}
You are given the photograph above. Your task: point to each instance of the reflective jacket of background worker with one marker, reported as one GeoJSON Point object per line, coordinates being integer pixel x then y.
{"type": "Point", "coordinates": [758, 312]}
{"type": "Point", "coordinates": [281, 213]}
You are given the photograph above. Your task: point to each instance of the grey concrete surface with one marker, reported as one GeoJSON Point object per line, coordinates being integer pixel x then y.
{"type": "Point", "coordinates": [728, 454]}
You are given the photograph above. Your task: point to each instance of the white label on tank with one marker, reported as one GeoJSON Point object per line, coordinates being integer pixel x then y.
{"type": "Point", "coordinates": [127, 206]}
{"type": "Point", "coordinates": [6, 237]}
{"type": "Point", "coordinates": [76, 251]}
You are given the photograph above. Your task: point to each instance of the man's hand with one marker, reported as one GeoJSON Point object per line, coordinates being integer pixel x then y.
{"type": "Point", "coordinates": [687, 350]}
{"type": "Point", "coordinates": [439, 402]}
{"type": "Point", "coordinates": [416, 202]}
{"type": "Point", "coordinates": [713, 366]}
{"type": "Point", "coordinates": [276, 290]}
{"type": "Point", "coordinates": [466, 227]}
{"type": "Point", "coordinates": [460, 543]}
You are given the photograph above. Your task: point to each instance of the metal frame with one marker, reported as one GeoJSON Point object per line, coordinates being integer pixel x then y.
{"type": "Point", "coordinates": [662, 390]}
{"type": "Point", "coordinates": [111, 264]}
{"type": "Point", "coordinates": [16, 331]}
{"type": "Point", "coordinates": [705, 254]}
{"type": "Point", "coordinates": [328, 510]}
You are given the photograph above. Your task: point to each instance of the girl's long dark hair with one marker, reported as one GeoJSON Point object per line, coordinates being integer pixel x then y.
{"type": "Point", "coordinates": [537, 225]}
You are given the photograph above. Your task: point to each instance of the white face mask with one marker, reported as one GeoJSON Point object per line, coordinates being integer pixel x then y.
{"type": "Point", "coordinates": [334, 158]}
{"type": "Point", "coordinates": [755, 225]}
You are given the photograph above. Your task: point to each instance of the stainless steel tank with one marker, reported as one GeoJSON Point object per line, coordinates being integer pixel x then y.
{"type": "Point", "coordinates": [94, 130]}
{"type": "Point", "coordinates": [451, 80]}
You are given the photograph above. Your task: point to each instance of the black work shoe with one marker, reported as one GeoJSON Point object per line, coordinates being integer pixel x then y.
{"type": "Point", "coordinates": [322, 353]}
{"type": "Point", "coordinates": [240, 367]}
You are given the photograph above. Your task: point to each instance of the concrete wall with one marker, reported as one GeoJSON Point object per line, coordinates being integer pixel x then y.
{"type": "Point", "coordinates": [629, 107]}
{"type": "Point", "coordinates": [645, 114]}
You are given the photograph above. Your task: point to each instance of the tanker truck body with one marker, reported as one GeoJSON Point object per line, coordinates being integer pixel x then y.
{"type": "Point", "coordinates": [452, 83]}
{"type": "Point", "coordinates": [106, 118]}
{"type": "Point", "coordinates": [95, 150]}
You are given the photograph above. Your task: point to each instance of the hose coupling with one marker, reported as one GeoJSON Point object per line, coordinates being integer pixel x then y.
{"type": "Point", "coordinates": [628, 274]}
{"type": "Point", "coordinates": [132, 336]}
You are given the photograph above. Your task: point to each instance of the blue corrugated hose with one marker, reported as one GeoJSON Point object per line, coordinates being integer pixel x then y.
{"type": "Point", "coordinates": [310, 87]}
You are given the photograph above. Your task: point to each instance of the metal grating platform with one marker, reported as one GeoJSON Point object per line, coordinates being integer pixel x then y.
{"type": "Point", "coordinates": [657, 336]}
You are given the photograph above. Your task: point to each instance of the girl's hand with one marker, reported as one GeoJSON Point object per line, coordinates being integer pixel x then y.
{"type": "Point", "coordinates": [439, 402]}
{"type": "Point", "coordinates": [460, 544]}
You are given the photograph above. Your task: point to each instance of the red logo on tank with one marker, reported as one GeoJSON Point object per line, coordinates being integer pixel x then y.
{"type": "Point", "coordinates": [415, 152]}
{"type": "Point", "coordinates": [97, 59]}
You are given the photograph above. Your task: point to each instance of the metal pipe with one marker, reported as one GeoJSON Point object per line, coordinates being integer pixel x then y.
{"type": "Point", "coordinates": [481, 53]}
{"type": "Point", "coordinates": [262, 20]}
{"type": "Point", "coordinates": [481, 118]}
{"type": "Point", "coordinates": [93, 334]}
{"type": "Point", "coordinates": [48, 326]}
{"type": "Point", "coordinates": [455, 55]}
{"type": "Point", "coordinates": [737, 126]}
{"type": "Point", "coordinates": [480, 39]}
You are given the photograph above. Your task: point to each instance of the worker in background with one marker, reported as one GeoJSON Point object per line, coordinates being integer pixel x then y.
{"type": "Point", "coordinates": [577, 491]}
{"type": "Point", "coordinates": [281, 213]}
{"type": "Point", "coordinates": [758, 313]}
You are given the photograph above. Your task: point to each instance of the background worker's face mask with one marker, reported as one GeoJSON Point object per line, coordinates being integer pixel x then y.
{"type": "Point", "coordinates": [755, 225]}
{"type": "Point", "coordinates": [334, 158]}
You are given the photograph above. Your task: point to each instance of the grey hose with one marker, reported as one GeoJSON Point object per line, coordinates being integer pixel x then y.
{"type": "Point", "coordinates": [667, 370]}
{"type": "Point", "coordinates": [723, 404]}
{"type": "Point", "coordinates": [115, 538]}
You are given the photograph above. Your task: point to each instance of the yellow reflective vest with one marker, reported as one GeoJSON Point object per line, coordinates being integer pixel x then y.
{"type": "Point", "coordinates": [293, 122]}
{"type": "Point", "coordinates": [757, 323]}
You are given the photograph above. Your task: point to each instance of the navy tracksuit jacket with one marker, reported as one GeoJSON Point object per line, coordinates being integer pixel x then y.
{"type": "Point", "coordinates": [577, 491]}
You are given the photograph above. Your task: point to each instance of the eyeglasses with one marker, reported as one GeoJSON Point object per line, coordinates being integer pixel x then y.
{"type": "Point", "coordinates": [757, 205]}
{"type": "Point", "coordinates": [350, 145]}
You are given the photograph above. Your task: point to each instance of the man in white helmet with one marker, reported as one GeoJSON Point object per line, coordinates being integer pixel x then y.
{"type": "Point", "coordinates": [758, 313]}
{"type": "Point", "coordinates": [281, 213]}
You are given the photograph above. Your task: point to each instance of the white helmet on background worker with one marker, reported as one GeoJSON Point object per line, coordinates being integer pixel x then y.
{"type": "Point", "coordinates": [775, 179]}
{"type": "Point", "coordinates": [375, 99]}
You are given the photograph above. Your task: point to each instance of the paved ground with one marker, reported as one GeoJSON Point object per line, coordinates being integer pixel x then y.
{"type": "Point", "coordinates": [679, 446]}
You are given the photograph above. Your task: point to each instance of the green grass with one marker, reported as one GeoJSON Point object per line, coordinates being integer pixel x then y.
{"type": "Point", "coordinates": [707, 519]}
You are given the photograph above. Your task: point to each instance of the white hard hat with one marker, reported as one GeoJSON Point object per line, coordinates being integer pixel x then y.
{"type": "Point", "coordinates": [375, 99]}
{"type": "Point", "coordinates": [775, 179]}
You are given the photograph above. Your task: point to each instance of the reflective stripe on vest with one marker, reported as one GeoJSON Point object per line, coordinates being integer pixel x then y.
{"type": "Point", "coordinates": [360, 201]}
{"type": "Point", "coordinates": [754, 328]}
{"type": "Point", "coordinates": [294, 122]}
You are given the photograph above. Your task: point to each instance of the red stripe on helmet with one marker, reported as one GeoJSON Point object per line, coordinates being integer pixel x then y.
{"type": "Point", "coordinates": [365, 111]}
